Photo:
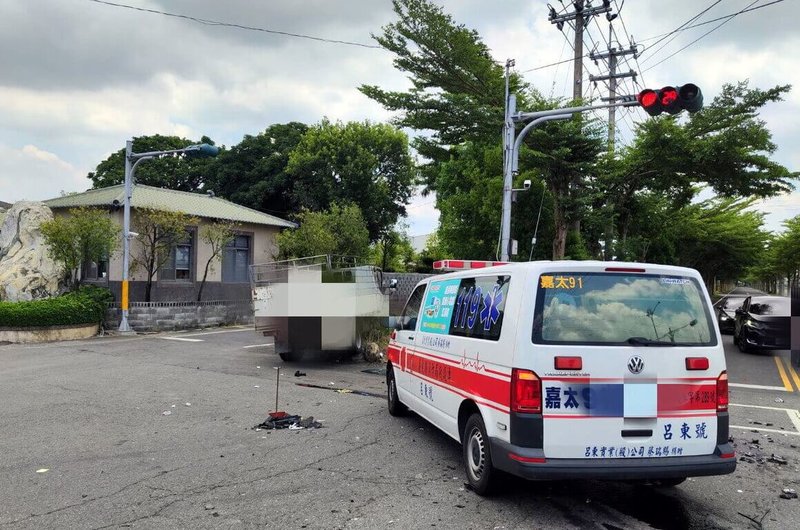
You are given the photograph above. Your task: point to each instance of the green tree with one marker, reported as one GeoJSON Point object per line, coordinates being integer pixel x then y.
{"type": "Point", "coordinates": [85, 235]}
{"type": "Point", "coordinates": [340, 231]}
{"type": "Point", "coordinates": [158, 231]}
{"type": "Point", "coordinates": [253, 172]}
{"type": "Point", "coordinates": [216, 237]}
{"type": "Point", "coordinates": [457, 100]}
{"type": "Point", "coordinates": [176, 172]}
{"type": "Point", "coordinates": [725, 147]}
{"type": "Point", "coordinates": [362, 163]}
{"type": "Point", "coordinates": [393, 252]}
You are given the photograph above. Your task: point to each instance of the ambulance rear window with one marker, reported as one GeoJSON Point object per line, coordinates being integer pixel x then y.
{"type": "Point", "coordinates": [614, 308]}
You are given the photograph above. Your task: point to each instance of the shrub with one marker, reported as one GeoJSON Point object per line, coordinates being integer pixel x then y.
{"type": "Point", "coordinates": [86, 306]}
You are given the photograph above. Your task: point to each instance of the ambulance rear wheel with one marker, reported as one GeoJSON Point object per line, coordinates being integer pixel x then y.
{"type": "Point", "coordinates": [477, 456]}
{"type": "Point", "coordinates": [395, 407]}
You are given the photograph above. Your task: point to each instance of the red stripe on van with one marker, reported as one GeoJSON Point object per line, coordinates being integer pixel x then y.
{"type": "Point", "coordinates": [687, 397]}
{"type": "Point", "coordinates": [470, 381]}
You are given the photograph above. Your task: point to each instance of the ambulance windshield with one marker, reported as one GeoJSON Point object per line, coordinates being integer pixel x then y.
{"type": "Point", "coordinates": [629, 309]}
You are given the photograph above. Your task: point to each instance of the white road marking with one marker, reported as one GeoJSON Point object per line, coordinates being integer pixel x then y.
{"type": "Point", "coordinates": [758, 407]}
{"type": "Point", "coordinates": [758, 387]}
{"type": "Point", "coordinates": [258, 346]}
{"type": "Point", "coordinates": [759, 429]}
{"type": "Point", "coordinates": [237, 330]}
{"type": "Point", "coordinates": [794, 415]}
{"type": "Point", "coordinates": [181, 339]}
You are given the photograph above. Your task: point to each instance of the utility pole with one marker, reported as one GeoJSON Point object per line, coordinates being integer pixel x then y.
{"type": "Point", "coordinates": [611, 55]}
{"type": "Point", "coordinates": [583, 11]}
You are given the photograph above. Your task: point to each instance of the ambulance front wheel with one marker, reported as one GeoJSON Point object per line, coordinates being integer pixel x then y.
{"type": "Point", "coordinates": [396, 408]}
{"type": "Point", "coordinates": [477, 456]}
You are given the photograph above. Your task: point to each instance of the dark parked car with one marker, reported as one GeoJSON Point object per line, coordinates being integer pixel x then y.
{"type": "Point", "coordinates": [763, 323]}
{"type": "Point", "coordinates": [726, 311]}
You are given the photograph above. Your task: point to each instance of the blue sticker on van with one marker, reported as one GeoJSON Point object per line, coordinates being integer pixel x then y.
{"type": "Point", "coordinates": [438, 307]}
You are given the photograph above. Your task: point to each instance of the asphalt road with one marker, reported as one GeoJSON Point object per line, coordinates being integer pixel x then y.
{"type": "Point", "coordinates": [91, 413]}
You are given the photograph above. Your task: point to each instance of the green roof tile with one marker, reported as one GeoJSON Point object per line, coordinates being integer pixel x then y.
{"type": "Point", "coordinates": [197, 204]}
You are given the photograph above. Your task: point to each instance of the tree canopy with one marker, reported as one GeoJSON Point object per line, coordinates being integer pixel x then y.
{"type": "Point", "coordinates": [174, 172]}
{"type": "Point", "coordinates": [362, 163]}
{"type": "Point", "coordinates": [341, 230]}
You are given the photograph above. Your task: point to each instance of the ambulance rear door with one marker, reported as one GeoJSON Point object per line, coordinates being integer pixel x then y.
{"type": "Point", "coordinates": [612, 349]}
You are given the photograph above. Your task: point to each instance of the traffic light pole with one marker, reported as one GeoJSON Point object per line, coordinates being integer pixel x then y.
{"type": "Point", "coordinates": [513, 142]}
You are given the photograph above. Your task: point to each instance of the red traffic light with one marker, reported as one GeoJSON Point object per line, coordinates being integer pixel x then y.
{"type": "Point", "coordinates": [671, 99]}
{"type": "Point", "coordinates": [649, 100]}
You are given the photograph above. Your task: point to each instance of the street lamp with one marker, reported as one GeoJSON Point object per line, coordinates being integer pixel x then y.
{"type": "Point", "coordinates": [132, 161]}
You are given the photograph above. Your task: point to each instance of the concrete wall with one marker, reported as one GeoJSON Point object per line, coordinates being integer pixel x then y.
{"type": "Point", "coordinates": [167, 316]}
{"type": "Point", "coordinates": [48, 334]}
{"type": "Point", "coordinates": [406, 281]}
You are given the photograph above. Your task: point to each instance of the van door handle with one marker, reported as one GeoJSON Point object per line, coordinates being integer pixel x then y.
{"type": "Point", "coordinates": [631, 433]}
{"type": "Point", "coordinates": [411, 337]}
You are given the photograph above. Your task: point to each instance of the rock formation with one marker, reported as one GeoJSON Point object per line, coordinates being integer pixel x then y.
{"type": "Point", "coordinates": [26, 270]}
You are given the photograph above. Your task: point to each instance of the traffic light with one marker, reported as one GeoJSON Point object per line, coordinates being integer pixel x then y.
{"type": "Point", "coordinates": [670, 99]}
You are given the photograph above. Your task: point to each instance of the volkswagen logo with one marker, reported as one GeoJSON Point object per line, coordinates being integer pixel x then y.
{"type": "Point", "coordinates": [635, 364]}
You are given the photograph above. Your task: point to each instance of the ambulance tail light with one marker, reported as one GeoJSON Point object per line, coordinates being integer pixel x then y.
{"type": "Point", "coordinates": [722, 392]}
{"type": "Point", "coordinates": [526, 392]}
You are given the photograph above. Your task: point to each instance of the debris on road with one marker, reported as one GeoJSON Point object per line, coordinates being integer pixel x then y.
{"type": "Point", "coordinates": [209, 506]}
{"type": "Point", "coordinates": [777, 459]}
{"type": "Point", "coordinates": [43, 470]}
{"type": "Point", "coordinates": [788, 493]}
{"type": "Point", "coordinates": [778, 400]}
{"type": "Point", "coordinates": [299, 374]}
{"type": "Point", "coordinates": [344, 390]}
{"type": "Point", "coordinates": [288, 421]}
{"type": "Point", "coordinates": [166, 413]}
{"type": "Point", "coordinates": [188, 404]}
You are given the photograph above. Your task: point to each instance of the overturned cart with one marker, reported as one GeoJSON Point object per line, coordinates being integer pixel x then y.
{"type": "Point", "coordinates": [317, 304]}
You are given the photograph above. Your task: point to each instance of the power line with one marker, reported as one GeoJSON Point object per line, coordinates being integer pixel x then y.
{"type": "Point", "coordinates": [676, 30]}
{"type": "Point", "coordinates": [207, 22]}
{"type": "Point", "coordinates": [746, 10]}
{"type": "Point", "coordinates": [712, 30]}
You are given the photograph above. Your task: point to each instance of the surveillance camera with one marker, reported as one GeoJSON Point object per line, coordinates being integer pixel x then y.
{"type": "Point", "coordinates": [133, 234]}
{"type": "Point", "coordinates": [526, 184]}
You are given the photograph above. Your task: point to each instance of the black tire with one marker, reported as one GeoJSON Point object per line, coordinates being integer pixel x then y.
{"type": "Point", "coordinates": [741, 343]}
{"type": "Point", "coordinates": [477, 456]}
{"type": "Point", "coordinates": [669, 482]}
{"type": "Point", "coordinates": [396, 408]}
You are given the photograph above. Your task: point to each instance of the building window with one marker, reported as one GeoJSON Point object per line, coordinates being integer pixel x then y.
{"type": "Point", "coordinates": [94, 271]}
{"type": "Point", "coordinates": [236, 260]}
{"type": "Point", "coordinates": [179, 265]}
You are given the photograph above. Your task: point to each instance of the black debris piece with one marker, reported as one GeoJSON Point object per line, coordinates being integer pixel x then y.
{"type": "Point", "coordinates": [299, 374]}
{"type": "Point", "coordinates": [288, 421]}
{"type": "Point", "coordinates": [309, 423]}
{"type": "Point", "coordinates": [777, 459]}
{"type": "Point", "coordinates": [788, 494]}
{"type": "Point", "coordinates": [278, 422]}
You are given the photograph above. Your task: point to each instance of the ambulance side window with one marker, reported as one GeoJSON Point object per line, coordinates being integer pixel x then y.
{"type": "Point", "coordinates": [479, 307]}
{"type": "Point", "coordinates": [408, 320]}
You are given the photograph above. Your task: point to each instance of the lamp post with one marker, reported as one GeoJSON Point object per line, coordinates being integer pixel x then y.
{"type": "Point", "coordinates": [132, 160]}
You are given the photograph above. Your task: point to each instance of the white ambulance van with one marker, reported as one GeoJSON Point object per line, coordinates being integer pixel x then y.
{"type": "Point", "coordinates": [559, 370]}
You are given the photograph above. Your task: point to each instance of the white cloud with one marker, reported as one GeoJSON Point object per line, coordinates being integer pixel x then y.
{"type": "Point", "coordinates": [31, 173]}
